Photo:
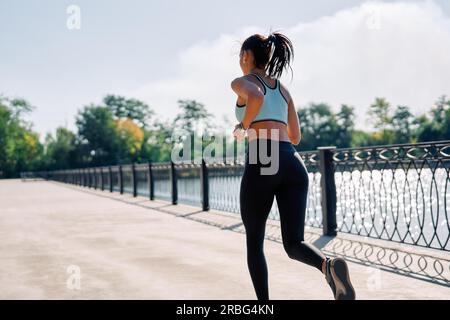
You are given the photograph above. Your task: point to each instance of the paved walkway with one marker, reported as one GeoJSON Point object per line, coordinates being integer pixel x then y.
{"type": "Point", "coordinates": [124, 251]}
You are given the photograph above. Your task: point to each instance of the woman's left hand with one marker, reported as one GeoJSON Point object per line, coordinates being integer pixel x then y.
{"type": "Point", "coordinates": [239, 132]}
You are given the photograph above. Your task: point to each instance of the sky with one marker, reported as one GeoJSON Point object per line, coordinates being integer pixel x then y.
{"type": "Point", "coordinates": [345, 52]}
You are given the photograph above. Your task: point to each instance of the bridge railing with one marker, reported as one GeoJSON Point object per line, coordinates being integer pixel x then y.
{"type": "Point", "coordinates": [397, 192]}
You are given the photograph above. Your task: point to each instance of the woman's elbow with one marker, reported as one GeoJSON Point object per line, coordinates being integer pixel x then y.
{"type": "Point", "coordinates": [295, 140]}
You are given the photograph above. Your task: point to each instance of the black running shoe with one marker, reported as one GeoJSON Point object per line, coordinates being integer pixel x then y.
{"type": "Point", "coordinates": [328, 276]}
{"type": "Point", "coordinates": [337, 270]}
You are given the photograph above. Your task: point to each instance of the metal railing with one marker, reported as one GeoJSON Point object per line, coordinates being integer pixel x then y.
{"type": "Point", "coordinates": [394, 192]}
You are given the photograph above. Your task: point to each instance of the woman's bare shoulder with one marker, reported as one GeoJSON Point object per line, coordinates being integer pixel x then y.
{"type": "Point", "coordinates": [239, 82]}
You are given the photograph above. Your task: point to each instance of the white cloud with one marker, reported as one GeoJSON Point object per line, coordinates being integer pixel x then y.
{"type": "Point", "coordinates": [395, 50]}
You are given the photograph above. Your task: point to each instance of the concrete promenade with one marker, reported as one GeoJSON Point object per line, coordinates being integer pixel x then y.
{"type": "Point", "coordinates": [123, 248]}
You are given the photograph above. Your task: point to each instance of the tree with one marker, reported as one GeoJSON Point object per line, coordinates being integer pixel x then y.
{"type": "Point", "coordinates": [98, 136]}
{"type": "Point", "coordinates": [438, 127]}
{"type": "Point", "coordinates": [158, 143]}
{"type": "Point", "coordinates": [345, 122]}
{"type": "Point", "coordinates": [20, 149]}
{"type": "Point", "coordinates": [61, 150]}
{"type": "Point", "coordinates": [192, 120]}
{"type": "Point", "coordinates": [131, 138]}
{"type": "Point", "coordinates": [123, 108]}
{"type": "Point", "coordinates": [381, 119]}
{"type": "Point", "coordinates": [318, 126]}
{"type": "Point", "coordinates": [193, 116]}
{"type": "Point", "coordinates": [402, 124]}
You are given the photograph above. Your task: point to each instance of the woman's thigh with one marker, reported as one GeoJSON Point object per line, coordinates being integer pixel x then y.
{"type": "Point", "coordinates": [292, 196]}
{"type": "Point", "coordinates": [256, 199]}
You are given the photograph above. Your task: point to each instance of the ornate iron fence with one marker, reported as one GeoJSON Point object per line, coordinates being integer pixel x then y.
{"type": "Point", "coordinates": [395, 192]}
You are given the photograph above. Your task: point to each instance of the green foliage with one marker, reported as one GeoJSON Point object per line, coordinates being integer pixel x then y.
{"type": "Point", "coordinates": [191, 123]}
{"type": "Point", "coordinates": [61, 150]}
{"type": "Point", "coordinates": [20, 149]}
{"type": "Point", "coordinates": [98, 138]}
{"type": "Point", "coordinates": [380, 113]}
{"type": "Point", "coordinates": [122, 130]}
{"type": "Point", "coordinates": [122, 107]}
{"type": "Point", "coordinates": [436, 125]}
{"type": "Point", "coordinates": [403, 125]}
{"type": "Point", "coordinates": [193, 116]}
{"type": "Point", "coordinates": [158, 143]}
{"type": "Point", "coordinates": [320, 126]}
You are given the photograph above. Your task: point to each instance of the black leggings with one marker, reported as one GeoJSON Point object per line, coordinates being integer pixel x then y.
{"type": "Point", "coordinates": [290, 187]}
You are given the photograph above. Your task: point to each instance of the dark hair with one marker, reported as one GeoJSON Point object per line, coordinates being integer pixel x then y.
{"type": "Point", "coordinates": [283, 52]}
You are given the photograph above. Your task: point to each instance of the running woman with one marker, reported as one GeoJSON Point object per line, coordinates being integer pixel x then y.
{"type": "Point", "coordinates": [265, 107]}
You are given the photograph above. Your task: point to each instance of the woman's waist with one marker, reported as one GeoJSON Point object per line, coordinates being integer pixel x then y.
{"type": "Point", "coordinates": [269, 145]}
{"type": "Point", "coordinates": [261, 130]}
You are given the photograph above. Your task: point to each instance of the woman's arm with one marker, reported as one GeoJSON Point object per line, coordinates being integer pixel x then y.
{"type": "Point", "coordinates": [252, 94]}
{"type": "Point", "coordinates": [293, 129]}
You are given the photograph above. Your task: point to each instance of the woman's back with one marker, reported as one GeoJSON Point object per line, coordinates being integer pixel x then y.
{"type": "Point", "coordinates": [274, 111]}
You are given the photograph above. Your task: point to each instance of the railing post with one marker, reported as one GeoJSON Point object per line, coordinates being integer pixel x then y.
{"type": "Point", "coordinates": [110, 179]}
{"type": "Point", "coordinates": [151, 183]}
{"type": "Point", "coordinates": [235, 151]}
{"type": "Point", "coordinates": [224, 149]}
{"type": "Point", "coordinates": [328, 190]}
{"type": "Point", "coordinates": [173, 179]}
{"type": "Point", "coordinates": [204, 180]}
{"type": "Point", "coordinates": [120, 179]}
{"type": "Point", "coordinates": [94, 174]}
{"type": "Point", "coordinates": [102, 179]}
{"type": "Point", "coordinates": [133, 176]}
{"type": "Point", "coordinates": [89, 177]}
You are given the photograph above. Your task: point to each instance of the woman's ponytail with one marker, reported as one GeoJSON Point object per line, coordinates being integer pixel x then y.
{"type": "Point", "coordinates": [283, 53]}
{"type": "Point", "coordinates": [274, 53]}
